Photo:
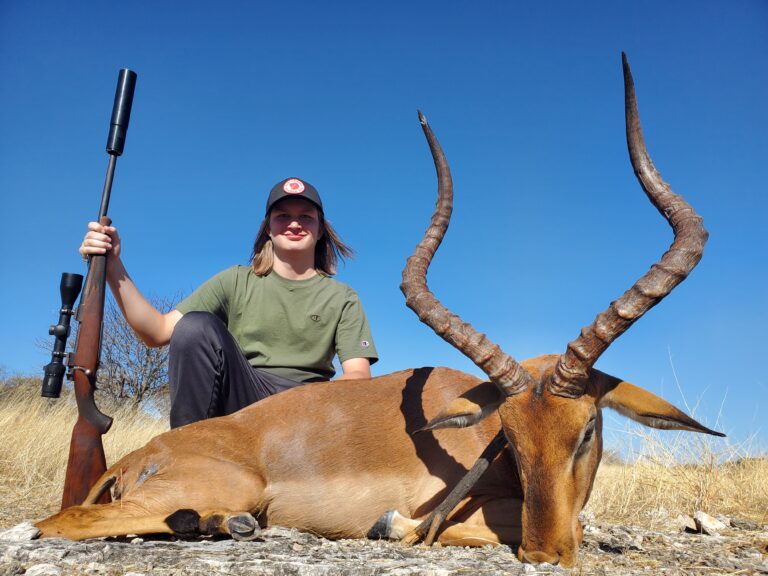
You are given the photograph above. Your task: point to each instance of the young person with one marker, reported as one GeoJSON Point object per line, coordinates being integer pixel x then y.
{"type": "Point", "coordinates": [250, 332]}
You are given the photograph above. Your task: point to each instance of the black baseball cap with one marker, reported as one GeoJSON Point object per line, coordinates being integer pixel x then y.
{"type": "Point", "coordinates": [293, 188]}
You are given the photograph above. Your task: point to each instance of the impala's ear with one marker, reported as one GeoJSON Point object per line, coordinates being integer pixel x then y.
{"type": "Point", "coordinates": [640, 405]}
{"type": "Point", "coordinates": [468, 409]}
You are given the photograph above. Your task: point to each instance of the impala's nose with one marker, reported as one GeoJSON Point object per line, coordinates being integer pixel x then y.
{"type": "Point", "coordinates": [537, 557]}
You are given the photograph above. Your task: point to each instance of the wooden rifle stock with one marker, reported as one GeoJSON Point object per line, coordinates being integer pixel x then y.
{"type": "Point", "coordinates": [86, 451]}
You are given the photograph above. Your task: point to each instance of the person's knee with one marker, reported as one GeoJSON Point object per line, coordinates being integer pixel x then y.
{"type": "Point", "coordinates": [195, 328]}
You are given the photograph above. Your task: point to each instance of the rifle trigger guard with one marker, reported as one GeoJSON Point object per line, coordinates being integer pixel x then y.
{"type": "Point", "coordinates": [85, 371]}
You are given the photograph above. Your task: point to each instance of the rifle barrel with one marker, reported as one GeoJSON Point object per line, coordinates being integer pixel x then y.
{"type": "Point", "coordinates": [118, 130]}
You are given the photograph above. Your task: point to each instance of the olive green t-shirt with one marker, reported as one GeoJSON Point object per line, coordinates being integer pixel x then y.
{"type": "Point", "coordinates": [292, 328]}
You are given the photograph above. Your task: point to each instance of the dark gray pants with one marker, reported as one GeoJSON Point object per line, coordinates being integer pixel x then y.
{"type": "Point", "coordinates": [209, 374]}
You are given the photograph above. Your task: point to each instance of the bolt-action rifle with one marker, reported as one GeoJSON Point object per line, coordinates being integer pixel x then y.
{"type": "Point", "coordinates": [86, 452]}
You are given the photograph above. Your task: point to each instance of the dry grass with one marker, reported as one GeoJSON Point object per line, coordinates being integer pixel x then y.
{"type": "Point", "coordinates": [35, 436]}
{"type": "Point", "coordinates": [679, 473]}
{"type": "Point", "coordinates": [655, 486]}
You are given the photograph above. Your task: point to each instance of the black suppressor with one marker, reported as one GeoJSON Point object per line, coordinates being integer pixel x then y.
{"type": "Point", "coordinates": [121, 112]}
{"type": "Point", "coordinates": [70, 287]}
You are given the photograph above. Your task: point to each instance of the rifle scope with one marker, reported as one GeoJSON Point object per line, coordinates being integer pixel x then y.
{"type": "Point", "coordinates": [70, 287]}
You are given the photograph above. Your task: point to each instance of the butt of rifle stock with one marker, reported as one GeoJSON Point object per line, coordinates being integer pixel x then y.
{"type": "Point", "coordinates": [85, 466]}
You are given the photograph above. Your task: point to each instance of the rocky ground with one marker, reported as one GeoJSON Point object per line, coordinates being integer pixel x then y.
{"type": "Point", "coordinates": [738, 548]}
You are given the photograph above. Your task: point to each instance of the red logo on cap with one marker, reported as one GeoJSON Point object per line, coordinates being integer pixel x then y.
{"type": "Point", "coordinates": [294, 186]}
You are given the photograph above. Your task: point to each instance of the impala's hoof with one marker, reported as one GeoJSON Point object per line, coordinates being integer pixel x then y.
{"type": "Point", "coordinates": [383, 527]}
{"type": "Point", "coordinates": [184, 523]}
{"type": "Point", "coordinates": [243, 527]}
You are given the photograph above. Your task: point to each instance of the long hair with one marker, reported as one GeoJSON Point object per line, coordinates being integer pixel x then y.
{"type": "Point", "coordinates": [329, 250]}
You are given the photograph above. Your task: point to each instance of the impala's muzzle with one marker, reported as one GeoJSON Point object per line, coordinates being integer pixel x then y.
{"type": "Point", "coordinates": [562, 548]}
{"type": "Point", "coordinates": [552, 532]}
{"type": "Point", "coordinates": [537, 557]}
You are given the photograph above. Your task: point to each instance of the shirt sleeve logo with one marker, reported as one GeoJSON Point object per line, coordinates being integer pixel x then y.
{"type": "Point", "coordinates": [365, 343]}
{"type": "Point", "coordinates": [315, 318]}
{"type": "Point", "coordinates": [294, 186]}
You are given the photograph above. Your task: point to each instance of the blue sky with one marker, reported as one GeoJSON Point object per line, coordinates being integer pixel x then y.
{"type": "Point", "coordinates": [549, 225]}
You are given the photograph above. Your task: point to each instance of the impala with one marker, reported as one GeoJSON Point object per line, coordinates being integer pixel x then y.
{"type": "Point", "coordinates": [350, 459]}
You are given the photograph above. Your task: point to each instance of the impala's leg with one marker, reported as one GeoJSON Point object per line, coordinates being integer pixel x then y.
{"type": "Point", "coordinates": [492, 522]}
{"type": "Point", "coordinates": [165, 509]}
{"type": "Point", "coordinates": [121, 518]}
{"type": "Point", "coordinates": [97, 520]}
{"type": "Point", "coordinates": [451, 533]}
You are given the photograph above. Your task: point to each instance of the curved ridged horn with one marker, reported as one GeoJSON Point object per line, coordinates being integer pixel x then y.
{"type": "Point", "coordinates": [570, 374]}
{"type": "Point", "coordinates": [500, 368]}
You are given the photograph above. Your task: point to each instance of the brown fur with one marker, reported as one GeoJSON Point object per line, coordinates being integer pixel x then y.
{"type": "Point", "coordinates": [331, 458]}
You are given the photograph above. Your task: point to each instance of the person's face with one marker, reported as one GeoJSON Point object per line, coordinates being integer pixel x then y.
{"type": "Point", "coordinates": [294, 225]}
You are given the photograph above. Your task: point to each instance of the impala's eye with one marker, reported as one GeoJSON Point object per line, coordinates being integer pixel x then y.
{"type": "Point", "coordinates": [589, 433]}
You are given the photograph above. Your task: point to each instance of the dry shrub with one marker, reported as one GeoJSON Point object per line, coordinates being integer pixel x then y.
{"type": "Point", "coordinates": [669, 473]}
{"type": "Point", "coordinates": [35, 434]}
